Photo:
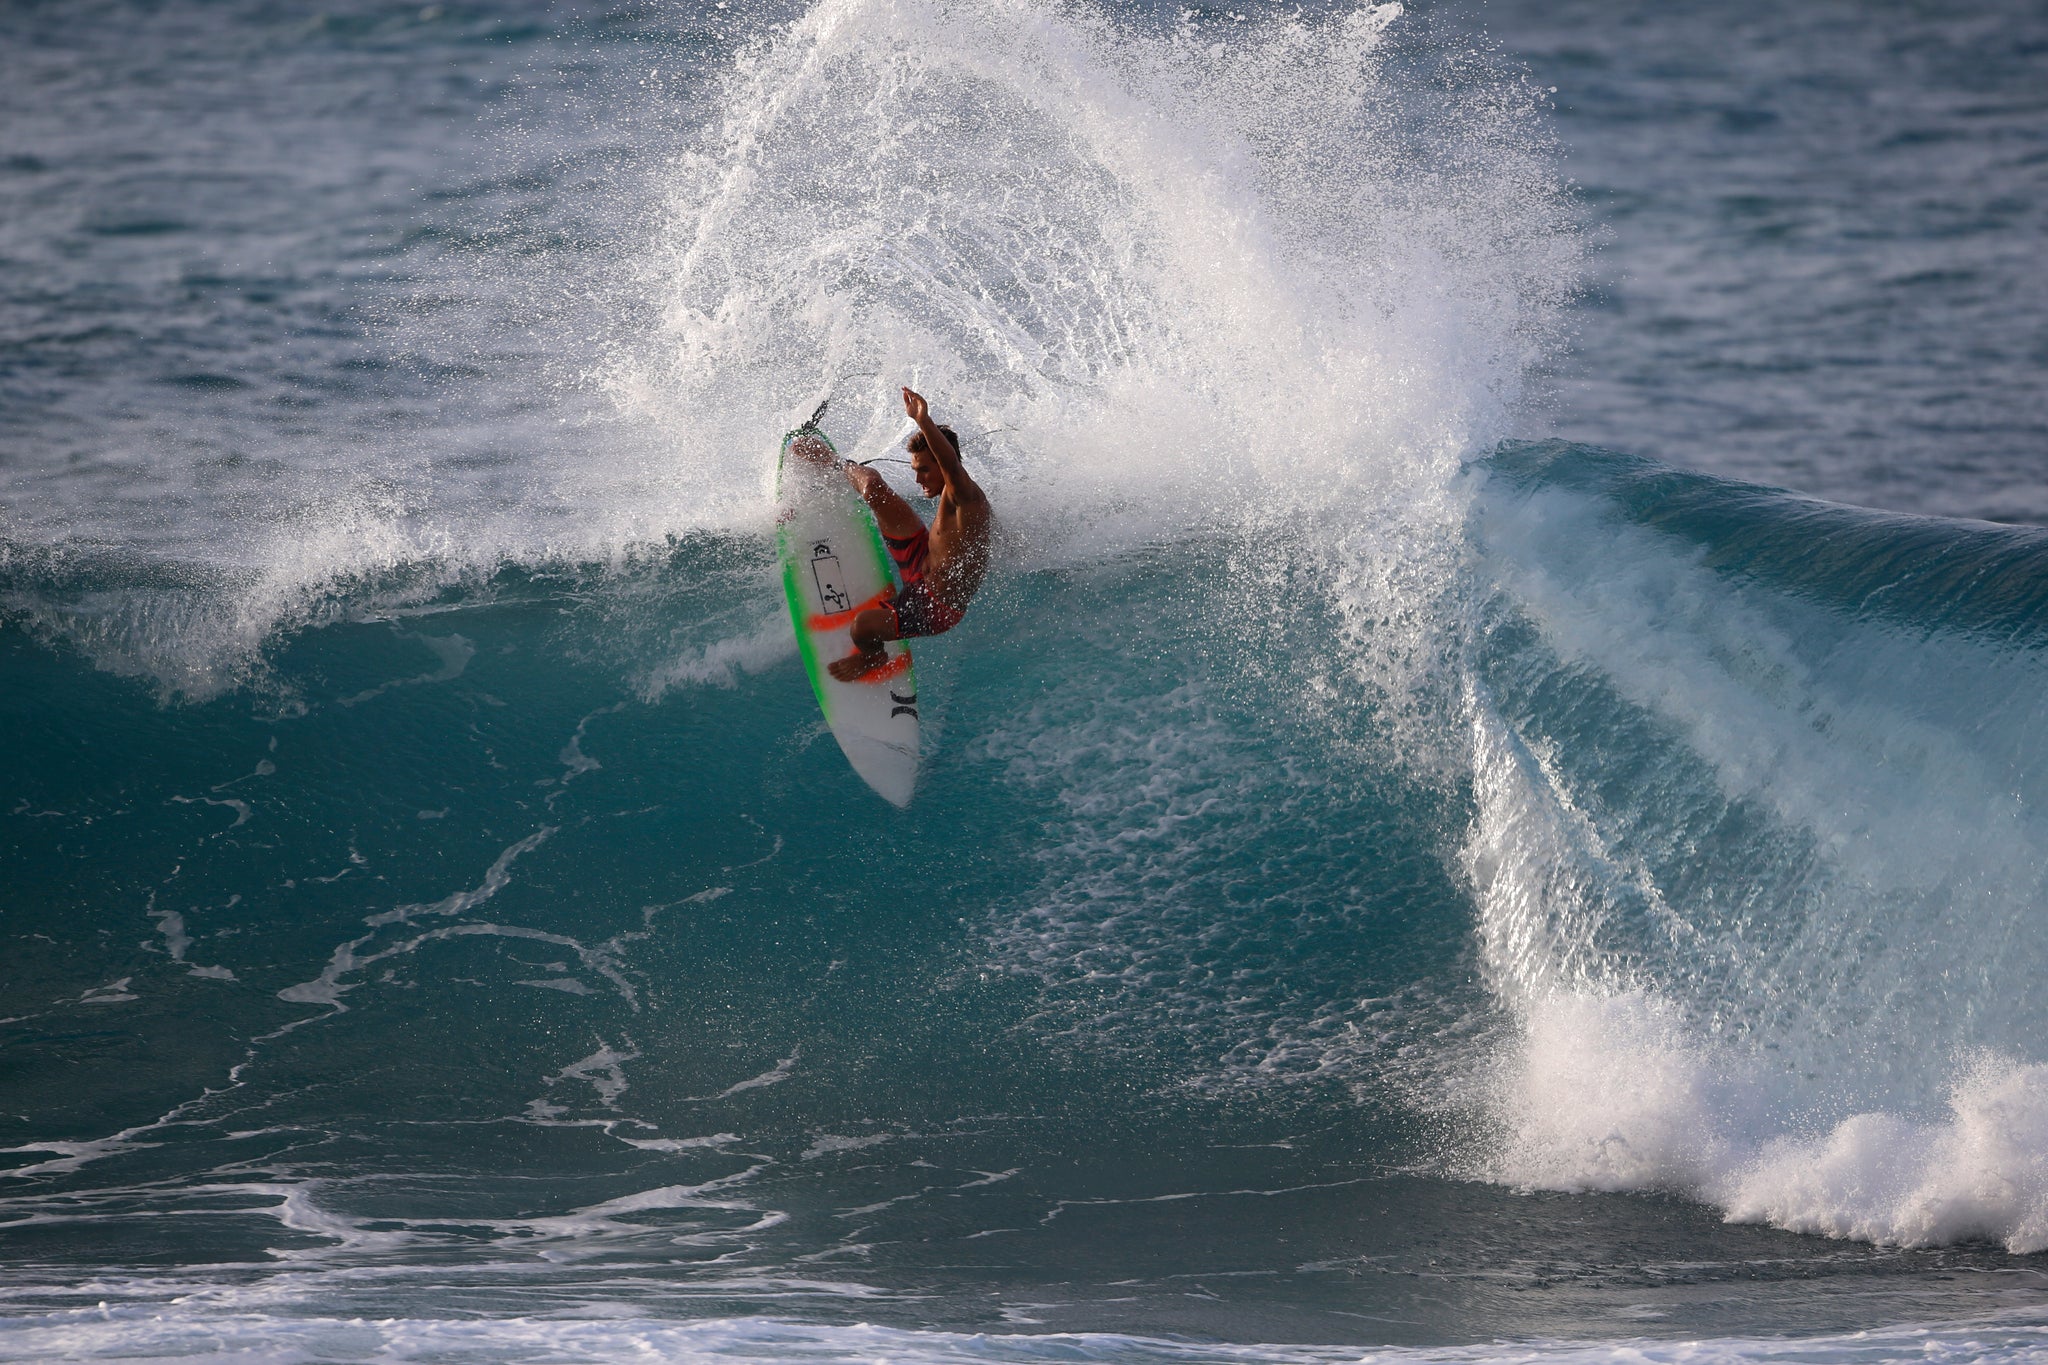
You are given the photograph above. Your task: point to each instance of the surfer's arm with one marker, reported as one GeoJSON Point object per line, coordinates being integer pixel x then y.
{"type": "Point", "coordinates": [959, 484]}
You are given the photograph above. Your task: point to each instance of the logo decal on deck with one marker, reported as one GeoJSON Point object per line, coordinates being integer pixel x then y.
{"type": "Point", "coordinates": [905, 706]}
{"type": "Point", "coordinates": [832, 591]}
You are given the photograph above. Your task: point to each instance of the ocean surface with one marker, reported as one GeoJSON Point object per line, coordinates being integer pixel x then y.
{"type": "Point", "coordinates": [1490, 809]}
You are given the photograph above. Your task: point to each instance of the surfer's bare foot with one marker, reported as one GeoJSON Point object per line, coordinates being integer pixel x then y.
{"type": "Point", "coordinates": [855, 666]}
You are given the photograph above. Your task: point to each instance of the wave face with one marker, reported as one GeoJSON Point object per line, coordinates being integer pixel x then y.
{"type": "Point", "coordinates": [533, 937]}
{"type": "Point", "coordinates": [1755, 852]}
{"type": "Point", "coordinates": [1354, 847]}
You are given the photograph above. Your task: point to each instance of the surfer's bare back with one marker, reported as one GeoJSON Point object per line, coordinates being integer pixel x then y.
{"type": "Point", "coordinates": [942, 566]}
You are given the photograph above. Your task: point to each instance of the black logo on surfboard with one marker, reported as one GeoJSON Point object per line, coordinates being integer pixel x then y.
{"type": "Point", "coordinates": [905, 706]}
{"type": "Point", "coordinates": [832, 593]}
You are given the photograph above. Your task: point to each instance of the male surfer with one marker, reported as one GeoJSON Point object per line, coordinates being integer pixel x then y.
{"type": "Point", "coordinates": [942, 567]}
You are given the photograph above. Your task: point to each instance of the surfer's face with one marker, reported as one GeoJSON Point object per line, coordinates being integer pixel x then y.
{"type": "Point", "coordinates": [924, 469]}
{"type": "Point", "coordinates": [930, 481]}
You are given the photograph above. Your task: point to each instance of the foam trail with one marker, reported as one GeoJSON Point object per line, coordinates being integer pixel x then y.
{"type": "Point", "coordinates": [722, 662]}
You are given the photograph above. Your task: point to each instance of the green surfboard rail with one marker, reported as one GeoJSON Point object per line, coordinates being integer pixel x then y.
{"type": "Point", "coordinates": [806, 652]}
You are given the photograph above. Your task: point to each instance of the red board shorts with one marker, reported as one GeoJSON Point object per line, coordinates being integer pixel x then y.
{"type": "Point", "coordinates": [917, 611]}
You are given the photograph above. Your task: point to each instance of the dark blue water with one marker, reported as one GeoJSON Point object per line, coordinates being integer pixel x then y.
{"type": "Point", "coordinates": [1813, 230]}
{"type": "Point", "coordinates": [1392, 874]}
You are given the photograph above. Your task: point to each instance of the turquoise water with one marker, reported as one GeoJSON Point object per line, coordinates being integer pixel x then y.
{"type": "Point", "coordinates": [1382, 884]}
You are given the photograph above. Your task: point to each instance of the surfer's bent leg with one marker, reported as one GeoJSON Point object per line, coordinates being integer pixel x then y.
{"type": "Point", "coordinates": [872, 629]}
{"type": "Point", "coordinates": [893, 515]}
{"type": "Point", "coordinates": [911, 552]}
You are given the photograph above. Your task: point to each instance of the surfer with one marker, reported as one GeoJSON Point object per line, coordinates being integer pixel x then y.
{"type": "Point", "coordinates": [942, 565]}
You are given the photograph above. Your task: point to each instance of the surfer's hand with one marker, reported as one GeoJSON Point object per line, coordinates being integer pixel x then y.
{"type": "Point", "coordinates": [914, 404]}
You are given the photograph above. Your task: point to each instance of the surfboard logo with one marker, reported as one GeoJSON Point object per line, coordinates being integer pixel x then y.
{"type": "Point", "coordinates": [831, 583]}
{"type": "Point", "coordinates": [905, 706]}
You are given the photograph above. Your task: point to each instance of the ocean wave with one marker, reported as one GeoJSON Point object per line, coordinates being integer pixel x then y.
{"type": "Point", "coordinates": [1755, 851]}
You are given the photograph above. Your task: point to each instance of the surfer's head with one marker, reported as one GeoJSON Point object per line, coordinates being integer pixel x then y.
{"type": "Point", "coordinates": [931, 480]}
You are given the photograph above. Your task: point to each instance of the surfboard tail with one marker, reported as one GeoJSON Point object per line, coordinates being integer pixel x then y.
{"type": "Point", "coordinates": [889, 769]}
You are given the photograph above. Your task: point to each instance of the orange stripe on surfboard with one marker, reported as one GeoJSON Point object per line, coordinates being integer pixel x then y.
{"type": "Point", "coordinates": [834, 620]}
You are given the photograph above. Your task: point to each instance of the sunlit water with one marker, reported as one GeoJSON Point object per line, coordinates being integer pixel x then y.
{"type": "Point", "coordinates": [1391, 875]}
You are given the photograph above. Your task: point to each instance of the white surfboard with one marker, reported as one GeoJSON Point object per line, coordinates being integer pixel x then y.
{"type": "Point", "coordinates": [834, 566]}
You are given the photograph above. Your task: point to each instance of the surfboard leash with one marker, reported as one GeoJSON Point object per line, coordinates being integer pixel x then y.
{"type": "Point", "coordinates": [892, 459]}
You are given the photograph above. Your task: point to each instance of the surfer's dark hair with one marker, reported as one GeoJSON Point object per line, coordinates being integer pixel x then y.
{"type": "Point", "coordinates": [917, 441]}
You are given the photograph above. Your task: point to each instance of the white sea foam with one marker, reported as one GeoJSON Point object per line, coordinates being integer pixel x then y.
{"type": "Point", "coordinates": [722, 662]}
{"type": "Point", "coordinates": [1977, 1172]}
{"type": "Point", "coordinates": [453, 651]}
{"type": "Point", "coordinates": [1610, 1093]}
{"type": "Point", "coordinates": [603, 1070]}
{"type": "Point", "coordinates": [1116, 246]}
{"type": "Point", "coordinates": [151, 1333]}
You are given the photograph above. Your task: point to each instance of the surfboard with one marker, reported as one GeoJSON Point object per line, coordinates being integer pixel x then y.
{"type": "Point", "coordinates": [834, 566]}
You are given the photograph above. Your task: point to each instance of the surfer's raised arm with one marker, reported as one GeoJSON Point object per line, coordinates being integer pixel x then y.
{"type": "Point", "coordinates": [939, 441]}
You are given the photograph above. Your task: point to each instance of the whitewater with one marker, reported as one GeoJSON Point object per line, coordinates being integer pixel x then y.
{"type": "Point", "coordinates": [1387, 882]}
